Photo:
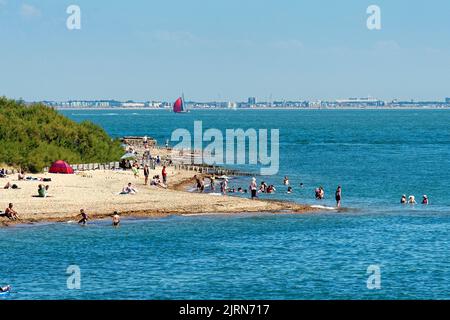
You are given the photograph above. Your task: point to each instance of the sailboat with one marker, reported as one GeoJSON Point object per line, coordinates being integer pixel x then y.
{"type": "Point", "coordinates": [180, 106]}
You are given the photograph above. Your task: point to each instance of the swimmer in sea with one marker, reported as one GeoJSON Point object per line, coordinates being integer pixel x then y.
{"type": "Point", "coordinates": [403, 199]}
{"type": "Point", "coordinates": [425, 199]}
{"type": "Point", "coordinates": [289, 190]}
{"type": "Point", "coordinates": [116, 219]}
{"type": "Point", "coordinates": [412, 200]}
{"type": "Point", "coordinates": [5, 288]}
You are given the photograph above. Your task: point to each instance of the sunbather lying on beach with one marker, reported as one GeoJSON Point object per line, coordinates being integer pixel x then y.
{"type": "Point", "coordinates": [8, 185]}
{"type": "Point", "coordinates": [129, 189]}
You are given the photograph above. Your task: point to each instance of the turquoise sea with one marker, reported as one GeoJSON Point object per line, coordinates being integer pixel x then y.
{"type": "Point", "coordinates": [375, 155]}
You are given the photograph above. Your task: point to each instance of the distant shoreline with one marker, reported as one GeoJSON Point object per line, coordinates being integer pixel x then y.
{"type": "Point", "coordinates": [250, 109]}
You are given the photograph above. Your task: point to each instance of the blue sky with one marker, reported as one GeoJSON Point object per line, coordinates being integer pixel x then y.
{"type": "Point", "coordinates": [224, 50]}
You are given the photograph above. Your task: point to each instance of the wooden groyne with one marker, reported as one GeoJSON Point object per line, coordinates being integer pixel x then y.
{"type": "Point", "coordinates": [202, 169]}
{"type": "Point", "coordinates": [106, 166]}
{"type": "Point", "coordinates": [138, 142]}
{"type": "Point", "coordinates": [205, 169]}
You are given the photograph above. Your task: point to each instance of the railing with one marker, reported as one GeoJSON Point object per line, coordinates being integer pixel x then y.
{"type": "Point", "coordinates": [106, 166]}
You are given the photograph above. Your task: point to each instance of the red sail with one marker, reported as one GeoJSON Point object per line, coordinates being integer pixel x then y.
{"type": "Point", "coordinates": [178, 105]}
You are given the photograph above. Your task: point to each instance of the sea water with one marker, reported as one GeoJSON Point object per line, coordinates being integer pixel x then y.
{"type": "Point", "coordinates": [375, 155]}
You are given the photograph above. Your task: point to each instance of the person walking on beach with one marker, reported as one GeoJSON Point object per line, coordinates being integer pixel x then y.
{"type": "Point", "coordinates": [135, 170]}
{"type": "Point", "coordinates": [84, 217]}
{"type": "Point", "coordinates": [338, 196]}
{"type": "Point", "coordinates": [224, 186]}
{"type": "Point", "coordinates": [146, 174]}
{"type": "Point", "coordinates": [164, 175]}
{"type": "Point", "coordinates": [253, 188]}
{"type": "Point", "coordinates": [212, 182]}
{"type": "Point", "coordinates": [116, 219]}
{"type": "Point", "coordinates": [145, 141]}
{"type": "Point", "coordinates": [202, 184]}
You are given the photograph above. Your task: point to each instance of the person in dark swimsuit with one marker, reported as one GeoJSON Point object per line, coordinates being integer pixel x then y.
{"type": "Point", "coordinates": [403, 200]}
{"type": "Point", "coordinates": [146, 174]}
{"type": "Point", "coordinates": [116, 219]}
{"type": "Point", "coordinates": [84, 217]}
{"type": "Point", "coordinates": [338, 196]}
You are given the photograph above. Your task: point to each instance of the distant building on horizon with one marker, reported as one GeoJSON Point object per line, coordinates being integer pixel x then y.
{"type": "Point", "coordinates": [368, 102]}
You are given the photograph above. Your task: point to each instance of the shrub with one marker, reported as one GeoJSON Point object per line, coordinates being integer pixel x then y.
{"type": "Point", "coordinates": [33, 136]}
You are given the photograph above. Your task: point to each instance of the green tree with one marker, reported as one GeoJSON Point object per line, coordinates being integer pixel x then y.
{"type": "Point", "coordinates": [33, 136]}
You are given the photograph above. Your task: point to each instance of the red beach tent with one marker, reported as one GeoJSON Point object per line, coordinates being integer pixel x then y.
{"type": "Point", "coordinates": [60, 167]}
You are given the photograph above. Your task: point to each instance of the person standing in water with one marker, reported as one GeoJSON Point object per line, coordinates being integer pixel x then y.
{"type": "Point", "coordinates": [403, 200]}
{"type": "Point", "coordinates": [253, 188]}
{"type": "Point", "coordinates": [338, 196]}
{"type": "Point", "coordinates": [84, 217]}
{"type": "Point", "coordinates": [116, 219]}
{"type": "Point", "coordinates": [425, 199]}
{"type": "Point", "coordinates": [224, 186]}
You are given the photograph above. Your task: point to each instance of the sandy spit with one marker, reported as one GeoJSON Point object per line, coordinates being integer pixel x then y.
{"type": "Point", "coordinates": [98, 193]}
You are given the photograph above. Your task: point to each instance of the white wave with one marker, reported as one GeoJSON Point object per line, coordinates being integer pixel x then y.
{"type": "Point", "coordinates": [323, 207]}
